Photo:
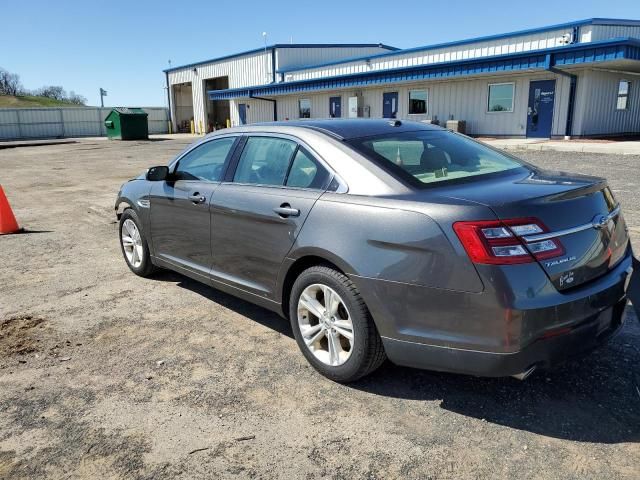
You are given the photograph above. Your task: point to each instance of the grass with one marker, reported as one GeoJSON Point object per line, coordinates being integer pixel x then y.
{"type": "Point", "coordinates": [30, 101]}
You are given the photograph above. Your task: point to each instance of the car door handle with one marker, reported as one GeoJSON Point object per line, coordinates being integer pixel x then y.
{"type": "Point", "coordinates": [197, 198]}
{"type": "Point", "coordinates": [285, 211]}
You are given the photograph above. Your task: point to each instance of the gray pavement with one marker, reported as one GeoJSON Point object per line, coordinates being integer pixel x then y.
{"type": "Point", "coordinates": [608, 147]}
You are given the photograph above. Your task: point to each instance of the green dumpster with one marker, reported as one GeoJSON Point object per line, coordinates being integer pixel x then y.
{"type": "Point", "coordinates": [127, 124]}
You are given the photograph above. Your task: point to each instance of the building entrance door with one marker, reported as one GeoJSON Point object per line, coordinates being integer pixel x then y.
{"type": "Point", "coordinates": [540, 112]}
{"type": "Point", "coordinates": [389, 104]}
{"type": "Point", "coordinates": [242, 112]}
{"type": "Point", "coordinates": [335, 107]}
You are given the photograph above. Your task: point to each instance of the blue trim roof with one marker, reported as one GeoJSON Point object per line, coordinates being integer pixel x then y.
{"type": "Point", "coordinates": [578, 23]}
{"type": "Point", "coordinates": [283, 45]}
{"type": "Point", "coordinates": [606, 50]}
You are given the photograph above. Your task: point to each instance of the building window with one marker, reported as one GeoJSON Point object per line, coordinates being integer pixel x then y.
{"type": "Point", "coordinates": [418, 100]}
{"type": "Point", "coordinates": [623, 95]}
{"type": "Point", "coordinates": [305, 108]}
{"type": "Point", "coordinates": [501, 97]}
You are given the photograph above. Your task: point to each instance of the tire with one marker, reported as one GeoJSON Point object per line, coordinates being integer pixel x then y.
{"type": "Point", "coordinates": [140, 261]}
{"type": "Point", "coordinates": [349, 359]}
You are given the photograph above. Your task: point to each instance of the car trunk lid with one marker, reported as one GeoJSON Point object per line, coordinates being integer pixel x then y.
{"type": "Point", "coordinates": [577, 212]}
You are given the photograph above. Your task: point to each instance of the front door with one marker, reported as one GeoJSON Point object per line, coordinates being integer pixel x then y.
{"type": "Point", "coordinates": [242, 111]}
{"type": "Point", "coordinates": [540, 112]}
{"type": "Point", "coordinates": [180, 220]}
{"type": "Point", "coordinates": [389, 104]}
{"type": "Point", "coordinates": [335, 107]}
{"type": "Point", "coordinates": [258, 214]}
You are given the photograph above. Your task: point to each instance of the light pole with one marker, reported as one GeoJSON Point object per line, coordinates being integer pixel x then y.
{"type": "Point", "coordinates": [266, 59]}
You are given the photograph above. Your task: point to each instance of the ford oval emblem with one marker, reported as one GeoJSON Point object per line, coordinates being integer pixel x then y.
{"type": "Point", "coordinates": [599, 221]}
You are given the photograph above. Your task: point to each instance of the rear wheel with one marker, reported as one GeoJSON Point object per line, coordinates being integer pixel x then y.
{"type": "Point", "coordinates": [134, 245]}
{"type": "Point", "coordinates": [333, 326]}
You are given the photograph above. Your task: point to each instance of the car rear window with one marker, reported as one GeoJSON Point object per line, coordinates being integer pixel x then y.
{"type": "Point", "coordinates": [427, 157]}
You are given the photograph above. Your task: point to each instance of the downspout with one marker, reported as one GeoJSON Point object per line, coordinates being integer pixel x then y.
{"type": "Point", "coordinates": [273, 65]}
{"type": "Point", "coordinates": [573, 79]}
{"type": "Point", "coordinates": [166, 77]}
{"type": "Point", "coordinates": [272, 100]}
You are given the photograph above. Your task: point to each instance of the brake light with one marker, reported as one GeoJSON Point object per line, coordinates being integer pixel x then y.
{"type": "Point", "coordinates": [500, 242]}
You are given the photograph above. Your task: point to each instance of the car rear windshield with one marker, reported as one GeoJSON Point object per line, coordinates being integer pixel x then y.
{"type": "Point", "coordinates": [426, 157]}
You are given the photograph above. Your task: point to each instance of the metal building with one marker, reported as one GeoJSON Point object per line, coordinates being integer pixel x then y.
{"type": "Point", "coordinates": [575, 79]}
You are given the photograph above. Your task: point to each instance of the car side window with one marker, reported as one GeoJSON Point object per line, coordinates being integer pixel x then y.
{"type": "Point", "coordinates": [306, 171]}
{"type": "Point", "coordinates": [205, 162]}
{"type": "Point", "coordinates": [265, 161]}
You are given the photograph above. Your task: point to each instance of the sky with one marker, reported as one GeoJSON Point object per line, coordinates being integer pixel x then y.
{"type": "Point", "coordinates": [123, 46]}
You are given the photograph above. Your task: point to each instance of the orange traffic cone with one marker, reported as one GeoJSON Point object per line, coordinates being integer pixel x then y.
{"type": "Point", "coordinates": [8, 223]}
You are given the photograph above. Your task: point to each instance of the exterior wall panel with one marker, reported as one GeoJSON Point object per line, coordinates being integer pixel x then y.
{"type": "Point", "coordinates": [293, 58]}
{"type": "Point", "coordinates": [257, 111]}
{"type": "Point", "coordinates": [586, 33]}
{"type": "Point", "coordinates": [598, 114]}
{"type": "Point", "coordinates": [518, 43]}
{"type": "Point", "coordinates": [603, 32]}
{"type": "Point", "coordinates": [460, 99]}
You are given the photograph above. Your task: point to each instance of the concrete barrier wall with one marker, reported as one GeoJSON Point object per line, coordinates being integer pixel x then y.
{"type": "Point", "coordinates": [23, 123]}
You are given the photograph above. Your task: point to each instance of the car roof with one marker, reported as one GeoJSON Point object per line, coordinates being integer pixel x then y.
{"type": "Point", "coordinates": [349, 128]}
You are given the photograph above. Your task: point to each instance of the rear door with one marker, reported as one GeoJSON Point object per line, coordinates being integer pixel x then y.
{"type": "Point", "coordinates": [179, 207]}
{"type": "Point", "coordinates": [259, 211]}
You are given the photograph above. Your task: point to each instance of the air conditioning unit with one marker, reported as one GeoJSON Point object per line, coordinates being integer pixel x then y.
{"type": "Point", "coordinates": [566, 39]}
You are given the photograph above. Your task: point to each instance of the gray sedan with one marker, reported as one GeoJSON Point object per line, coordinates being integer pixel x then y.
{"type": "Point", "coordinates": [386, 239]}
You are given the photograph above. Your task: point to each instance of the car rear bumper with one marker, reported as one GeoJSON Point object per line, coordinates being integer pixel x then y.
{"type": "Point", "coordinates": [518, 322]}
{"type": "Point", "coordinates": [543, 353]}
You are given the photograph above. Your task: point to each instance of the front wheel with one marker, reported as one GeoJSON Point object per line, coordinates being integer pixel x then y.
{"type": "Point", "coordinates": [134, 245]}
{"type": "Point", "coordinates": [333, 326]}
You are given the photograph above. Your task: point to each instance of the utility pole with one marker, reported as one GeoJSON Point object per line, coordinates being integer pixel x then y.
{"type": "Point", "coordinates": [103, 93]}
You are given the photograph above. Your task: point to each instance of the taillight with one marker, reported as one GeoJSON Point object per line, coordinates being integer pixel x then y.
{"type": "Point", "coordinates": [499, 242]}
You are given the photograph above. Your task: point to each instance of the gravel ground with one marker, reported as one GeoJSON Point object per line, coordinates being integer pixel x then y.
{"type": "Point", "coordinates": [107, 375]}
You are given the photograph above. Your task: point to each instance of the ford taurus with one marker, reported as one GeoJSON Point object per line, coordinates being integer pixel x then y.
{"type": "Point", "coordinates": [389, 239]}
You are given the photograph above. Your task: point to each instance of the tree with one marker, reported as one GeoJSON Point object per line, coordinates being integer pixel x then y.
{"type": "Point", "coordinates": [76, 98]}
{"type": "Point", "coordinates": [9, 83]}
{"type": "Point", "coordinates": [54, 92]}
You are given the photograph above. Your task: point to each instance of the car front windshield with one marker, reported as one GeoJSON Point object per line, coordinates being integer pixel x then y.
{"type": "Point", "coordinates": [428, 157]}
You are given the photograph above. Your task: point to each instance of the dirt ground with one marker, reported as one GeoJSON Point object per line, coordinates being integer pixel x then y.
{"type": "Point", "coordinates": [107, 375]}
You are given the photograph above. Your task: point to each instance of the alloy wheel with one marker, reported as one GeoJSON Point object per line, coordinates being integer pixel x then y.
{"type": "Point", "coordinates": [325, 324]}
{"type": "Point", "coordinates": [132, 243]}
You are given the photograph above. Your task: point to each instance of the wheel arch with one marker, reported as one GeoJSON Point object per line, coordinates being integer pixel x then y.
{"type": "Point", "coordinates": [304, 259]}
{"type": "Point", "coordinates": [124, 203]}
{"type": "Point", "coordinates": [121, 205]}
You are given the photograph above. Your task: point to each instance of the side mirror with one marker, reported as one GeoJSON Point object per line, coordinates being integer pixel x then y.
{"type": "Point", "coordinates": [158, 174]}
